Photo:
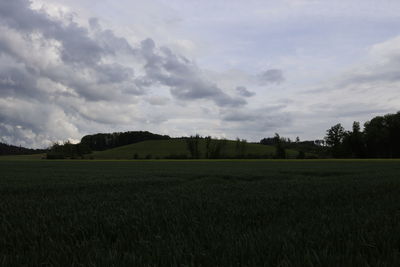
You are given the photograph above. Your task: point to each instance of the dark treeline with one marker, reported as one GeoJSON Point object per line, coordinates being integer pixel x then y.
{"type": "Point", "coordinates": [103, 141]}
{"type": "Point", "coordinates": [213, 148]}
{"type": "Point", "coordinates": [6, 149]}
{"type": "Point", "coordinates": [306, 149]}
{"type": "Point", "coordinates": [280, 144]}
{"type": "Point", "coordinates": [380, 138]}
{"type": "Point", "coordinates": [99, 142]}
{"type": "Point", "coordinates": [68, 151]}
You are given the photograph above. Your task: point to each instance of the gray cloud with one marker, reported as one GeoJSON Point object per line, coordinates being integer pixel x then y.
{"type": "Point", "coordinates": [349, 110]}
{"type": "Point", "coordinates": [16, 135]}
{"type": "Point", "coordinates": [50, 72]}
{"type": "Point", "coordinates": [59, 79]}
{"type": "Point", "coordinates": [257, 122]}
{"type": "Point", "coordinates": [185, 79]}
{"type": "Point", "coordinates": [157, 100]}
{"type": "Point", "coordinates": [77, 46]}
{"type": "Point", "coordinates": [17, 82]}
{"type": "Point", "coordinates": [271, 76]}
{"type": "Point", "coordinates": [252, 114]}
{"type": "Point", "coordinates": [80, 65]}
{"type": "Point", "coordinates": [242, 90]}
{"type": "Point", "coordinates": [379, 76]}
{"type": "Point", "coordinates": [240, 116]}
{"type": "Point", "coordinates": [361, 92]}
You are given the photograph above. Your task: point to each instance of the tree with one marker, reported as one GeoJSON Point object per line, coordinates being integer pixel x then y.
{"type": "Point", "coordinates": [301, 155]}
{"type": "Point", "coordinates": [382, 136]}
{"type": "Point", "coordinates": [208, 146]}
{"type": "Point", "coordinates": [376, 137]}
{"type": "Point", "coordinates": [241, 146]}
{"type": "Point", "coordinates": [393, 124]}
{"type": "Point", "coordinates": [217, 148]}
{"type": "Point", "coordinates": [269, 141]}
{"type": "Point", "coordinates": [334, 135]}
{"type": "Point", "coordinates": [334, 139]}
{"type": "Point", "coordinates": [192, 144]}
{"type": "Point", "coordinates": [280, 152]}
{"type": "Point", "coordinates": [354, 142]}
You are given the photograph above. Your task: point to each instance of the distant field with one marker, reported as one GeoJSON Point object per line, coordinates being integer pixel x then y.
{"type": "Point", "coordinates": [164, 148]}
{"type": "Point", "coordinates": [199, 213]}
{"type": "Point", "coordinates": [23, 157]}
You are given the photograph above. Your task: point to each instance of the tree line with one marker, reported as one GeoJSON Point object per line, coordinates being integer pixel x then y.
{"type": "Point", "coordinates": [6, 149]}
{"type": "Point", "coordinates": [306, 149]}
{"type": "Point", "coordinates": [380, 138]}
{"type": "Point", "coordinates": [213, 148]}
{"type": "Point", "coordinates": [99, 142]}
{"type": "Point", "coordinates": [68, 151]}
{"type": "Point", "coordinates": [103, 141]}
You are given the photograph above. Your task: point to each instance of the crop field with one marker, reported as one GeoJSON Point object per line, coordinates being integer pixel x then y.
{"type": "Point", "coordinates": [200, 213]}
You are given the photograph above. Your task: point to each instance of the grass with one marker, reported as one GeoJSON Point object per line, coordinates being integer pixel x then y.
{"type": "Point", "coordinates": [177, 147]}
{"type": "Point", "coordinates": [23, 157]}
{"type": "Point", "coordinates": [199, 213]}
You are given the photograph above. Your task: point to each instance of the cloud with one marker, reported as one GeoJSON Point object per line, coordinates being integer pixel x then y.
{"type": "Point", "coordinates": [376, 80]}
{"type": "Point", "coordinates": [17, 82]}
{"type": "Point", "coordinates": [257, 122]}
{"type": "Point", "coordinates": [382, 67]}
{"type": "Point", "coordinates": [185, 80]}
{"type": "Point", "coordinates": [60, 79]}
{"type": "Point", "coordinates": [157, 100]}
{"type": "Point", "coordinates": [64, 52]}
{"type": "Point", "coordinates": [57, 77]}
{"type": "Point", "coordinates": [32, 123]}
{"type": "Point", "coordinates": [77, 46]}
{"type": "Point", "coordinates": [271, 76]}
{"type": "Point", "coordinates": [256, 114]}
{"type": "Point", "coordinates": [242, 90]}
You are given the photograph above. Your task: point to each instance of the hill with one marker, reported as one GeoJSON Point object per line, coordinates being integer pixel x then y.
{"type": "Point", "coordinates": [177, 148]}
{"type": "Point", "coordinates": [104, 141]}
{"type": "Point", "coordinates": [6, 149]}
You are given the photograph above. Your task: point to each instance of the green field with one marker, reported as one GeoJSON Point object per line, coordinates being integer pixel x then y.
{"type": "Point", "coordinates": [178, 147]}
{"type": "Point", "coordinates": [200, 213]}
{"type": "Point", "coordinates": [23, 157]}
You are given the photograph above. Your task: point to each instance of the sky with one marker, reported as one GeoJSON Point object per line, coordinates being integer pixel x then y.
{"type": "Point", "coordinates": [228, 69]}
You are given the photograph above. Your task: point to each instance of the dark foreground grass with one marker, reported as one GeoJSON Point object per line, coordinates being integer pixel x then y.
{"type": "Point", "coordinates": [262, 213]}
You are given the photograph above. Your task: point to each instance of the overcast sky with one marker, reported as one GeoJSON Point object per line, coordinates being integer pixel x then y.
{"type": "Point", "coordinates": [228, 69]}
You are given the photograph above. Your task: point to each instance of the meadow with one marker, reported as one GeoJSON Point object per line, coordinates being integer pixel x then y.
{"type": "Point", "coordinates": [200, 213]}
{"type": "Point", "coordinates": [178, 148]}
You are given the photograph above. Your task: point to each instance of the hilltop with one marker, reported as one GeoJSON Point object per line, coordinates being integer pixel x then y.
{"type": "Point", "coordinates": [104, 141]}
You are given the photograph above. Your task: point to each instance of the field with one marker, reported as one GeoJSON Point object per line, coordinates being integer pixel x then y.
{"type": "Point", "coordinates": [23, 157]}
{"type": "Point", "coordinates": [199, 213]}
{"type": "Point", "coordinates": [178, 147]}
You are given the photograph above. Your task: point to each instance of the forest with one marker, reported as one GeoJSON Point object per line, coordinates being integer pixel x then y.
{"type": "Point", "coordinates": [380, 138]}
